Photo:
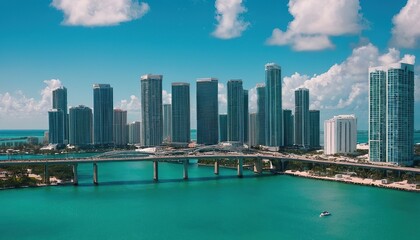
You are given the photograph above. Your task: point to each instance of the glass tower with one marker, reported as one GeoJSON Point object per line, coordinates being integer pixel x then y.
{"type": "Point", "coordinates": [80, 126]}
{"type": "Point", "coordinates": [134, 133]}
{"type": "Point", "coordinates": [246, 116]}
{"type": "Point", "coordinates": [167, 123]}
{"type": "Point", "coordinates": [235, 111]}
{"type": "Point", "coordinates": [314, 129]}
{"type": "Point", "coordinates": [302, 117]}
{"type": "Point", "coordinates": [222, 127]}
{"type": "Point", "coordinates": [59, 101]}
{"type": "Point", "coordinates": [56, 126]}
{"type": "Point", "coordinates": [288, 127]}
{"type": "Point", "coordinates": [207, 111]}
{"type": "Point", "coordinates": [391, 113]}
{"type": "Point", "coordinates": [260, 114]}
{"type": "Point", "coordinates": [151, 103]}
{"type": "Point", "coordinates": [120, 127]}
{"type": "Point", "coordinates": [181, 130]}
{"type": "Point", "coordinates": [273, 106]}
{"type": "Point", "coordinates": [103, 119]}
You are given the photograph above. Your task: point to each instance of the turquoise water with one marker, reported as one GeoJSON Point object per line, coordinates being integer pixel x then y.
{"type": "Point", "coordinates": [128, 205]}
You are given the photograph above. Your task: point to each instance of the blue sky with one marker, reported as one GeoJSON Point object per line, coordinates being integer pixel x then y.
{"type": "Point", "coordinates": [326, 46]}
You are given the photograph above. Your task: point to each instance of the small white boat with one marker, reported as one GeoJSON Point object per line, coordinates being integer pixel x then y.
{"type": "Point", "coordinates": [324, 213]}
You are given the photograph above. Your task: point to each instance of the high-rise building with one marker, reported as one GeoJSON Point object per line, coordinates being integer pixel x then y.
{"type": "Point", "coordinates": [252, 136]}
{"type": "Point", "coordinates": [340, 135]}
{"type": "Point", "coordinates": [246, 116]}
{"type": "Point", "coordinates": [167, 123]}
{"type": "Point", "coordinates": [103, 117]}
{"type": "Point", "coordinates": [134, 133]}
{"type": "Point", "coordinates": [222, 127]}
{"type": "Point", "coordinates": [261, 114]}
{"type": "Point", "coordinates": [181, 129]}
{"type": "Point", "coordinates": [235, 111]}
{"type": "Point", "coordinates": [288, 127]}
{"type": "Point", "coordinates": [273, 106]}
{"type": "Point", "coordinates": [391, 113]}
{"type": "Point", "coordinates": [151, 103]}
{"type": "Point", "coordinates": [302, 117]}
{"type": "Point", "coordinates": [314, 128]}
{"type": "Point", "coordinates": [59, 101]}
{"type": "Point", "coordinates": [207, 111]}
{"type": "Point", "coordinates": [80, 126]}
{"type": "Point", "coordinates": [120, 127]}
{"type": "Point", "coordinates": [56, 126]}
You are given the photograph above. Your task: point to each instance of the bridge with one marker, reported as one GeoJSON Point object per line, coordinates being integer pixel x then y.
{"type": "Point", "coordinates": [184, 157]}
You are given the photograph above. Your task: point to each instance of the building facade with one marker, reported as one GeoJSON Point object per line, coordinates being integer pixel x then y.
{"type": "Point", "coordinates": [152, 115]}
{"type": "Point", "coordinates": [80, 126]}
{"type": "Point", "coordinates": [167, 123]}
{"type": "Point", "coordinates": [246, 115]}
{"type": "Point", "coordinates": [207, 111]}
{"type": "Point", "coordinates": [288, 128]}
{"type": "Point", "coordinates": [59, 101]}
{"type": "Point", "coordinates": [314, 129]}
{"type": "Point", "coordinates": [252, 136]}
{"type": "Point", "coordinates": [273, 106]}
{"type": "Point", "coordinates": [302, 117]}
{"type": "Point", "coordinates": [181, 129]}
{"type": "Point", "coordinates": [340, 135]}
{"type": "Point", "coordinates": [260, 114]}
{"type": "Point", "coordinates": [56, 126]}
{"type": "Point", "coordinates": [391, 113]}
{"type": "Point", "coordinates": [103, 117]}
{"type": "Point", "coordinates": [235, 111]}
{"type": "Point", "coordinates": [120, 127]}
{"type": "Point", "coordinates": [222, 127]}
{"type": "Point", "coordinates": [134, 133]}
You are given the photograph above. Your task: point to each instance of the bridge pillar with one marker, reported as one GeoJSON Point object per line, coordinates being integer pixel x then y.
{"type": "Point", "coordinates": [155, 171]}
{"type": "Point", "coordinates": [283, 165]}
{"type": "Point", "coordinates": [240, 167]}
{"type": "Point", "coordinates": [216, 167]}
{"type": "Point", "coordinates": [258, 165]}
{"type": "Point", "coordinates": [186, 162]}
{"type": "Point", "coordinates": [46, 175]}
{"type": "Point", "coordinates": [95, 173]}
{"type": "Point", "coordinates": [75, 176]}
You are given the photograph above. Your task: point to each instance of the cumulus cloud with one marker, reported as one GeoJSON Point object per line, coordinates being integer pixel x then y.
{"type": "Point", "coordinates": [132, 105]}
{"type": "Point", "coordinates": [316, 21]}
{"type": "Point", "coordinates": [166, 97]}
{"type": "Point", "coordinates": [345, 84]}
{"type": "Point", "coordinates": [18, 105]}
{"type": "Point", "coordinates": [406, 31]}
{"type": "Point", "coordinates": [100, 12]}
{"type": "Point", "coordinates": [230, 24]}
{"type": "Point", "coordinates": [222, 97]}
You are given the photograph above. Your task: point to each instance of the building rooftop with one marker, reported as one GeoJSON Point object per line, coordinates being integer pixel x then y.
{"type": "Point", "coordinates": [151, 76]}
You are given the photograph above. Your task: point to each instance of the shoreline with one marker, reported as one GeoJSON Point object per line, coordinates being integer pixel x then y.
{"type": "Point", "coordinates": [401, 186]}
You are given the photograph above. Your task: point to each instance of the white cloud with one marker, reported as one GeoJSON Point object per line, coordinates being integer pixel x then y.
{"type": "Point", "coordinates": [406, 31]}
{"type": "Point", "coordinates": [100, 12]}
{"type": "Point", "coordinates": [166, 97]}
{"type": "Point", "coordinates": [230, 24]}
{"type": "Point", "coordinates": [18, 105]}
{"type": "Point", "coordinates": [222, 97]}
{"type": "Point", "coordinates": [315, 21]}
{"type": "Point", "coordinates": [133, 105]}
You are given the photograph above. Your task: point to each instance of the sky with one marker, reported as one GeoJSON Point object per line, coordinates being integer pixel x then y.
{"type": "Point", "coordinates": [326, 46]}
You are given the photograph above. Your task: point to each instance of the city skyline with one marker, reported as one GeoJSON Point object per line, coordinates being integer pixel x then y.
{"type": "Point", "coordinates": [110, 53]}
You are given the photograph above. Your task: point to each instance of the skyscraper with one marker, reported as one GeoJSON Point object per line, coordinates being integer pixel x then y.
{"type": "Point", "coordinates": [181, 130]}
{"type": "Point", "coordinates": [252, 136]}
{"type": "Point", "coordinates": [261, 114]}
{"type": "Point", "coordinates": [340, 135]}
{"type": "Point", "coordinates": [56, 126]}
{"type": "Point", "coordinates": [314, 129]}
{"type": "Point", "coordinates": [167, 123]}
{"type": "Point", "coordinates": [288, 127]}
{"type": "Point", "coordinates": [120, 127]}
{"type": "Point", "coordinates": [222, 127]}
{"type": "Point", "coordinates": [207, 111]}
{"type": "Point", "coordinates": [134, 133]}
{"type": "Point", "coordinates": [302, 117]}
{"type": "Point", "coordinates": [151, 102]}
{"type": "Point", "coordinates": [59, 101]}
{"type": "Point", "coordinates": [391, 113]}
{"type": "Point", "coordinates": [80, 126]}
{"type": "Point", "coordinates": [273, 106]}
{"type": "Point", "coordinates": [246, 116]}
{"type": "Point", "coordinates": [235, 111]}
{"type": "Point", "coordinates": [103, 119]}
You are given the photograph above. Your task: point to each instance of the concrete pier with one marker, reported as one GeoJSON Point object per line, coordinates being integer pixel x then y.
{"type": "Point", "coordinates": [186, 163]}
{"type": "Point", "coordinates": [95, 173]}
{"type": "Point", "coordinates": [46, 175]}
{"type": "Point", "coordinates": [258, 166]}
{"type": "Point", "coordinates": [216, 167]}
{"type": "Point", "coordinates": [155, 171]}
{"type": "Point", "coordinates": [75, 176]}
{"type": "Point", "coordinates": [240, 167]}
